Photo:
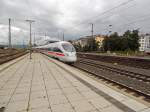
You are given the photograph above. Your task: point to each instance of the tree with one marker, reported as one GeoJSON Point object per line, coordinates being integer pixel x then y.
{"type": "Point", "coordinates": [92, 44]}
{"type": "Point", "coordinates": [114, 35]}
{"type": "Point", "coordinates": [133, 39]}
{"type": "Point", "coordinates": [78, 47]}
{"type": "Point", "coordinates": [70, 41]}
{"type": "Point", "coordinates": [129, 41]}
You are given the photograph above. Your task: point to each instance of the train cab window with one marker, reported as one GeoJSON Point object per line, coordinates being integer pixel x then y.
{"type": "Point", "coordinates": [68, 47]}
{"type": "Point", "coordinates": [55, 49]}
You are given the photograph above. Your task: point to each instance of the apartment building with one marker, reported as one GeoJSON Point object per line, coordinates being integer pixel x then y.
{"type": "Point", "coordinates": [144, 41]}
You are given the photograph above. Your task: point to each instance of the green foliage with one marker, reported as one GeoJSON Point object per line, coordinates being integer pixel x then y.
{"type": "Point", "coordinates": [129, 41]}
{"type": "Point", "coordinates": [78, 47]}
{"type": "Point", "coordinates": [70, 41]}
{"type": "Point", "coordinates": [92, 45]}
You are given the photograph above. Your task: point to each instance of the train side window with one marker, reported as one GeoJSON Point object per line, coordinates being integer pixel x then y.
{"type": "Point", "coordinates": [52, 49]}
{"type": "Point", "coordinates": [49, 49]}
{"type": "Point", "coordinates": [57, 49]}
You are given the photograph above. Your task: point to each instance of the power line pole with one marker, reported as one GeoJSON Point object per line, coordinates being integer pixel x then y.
{"type": "Point", "coordinates": [34, 39]}
{"type": "Point", "coordinates": [58, 35]}
{"type": "Point", "coordinates": [92, 30]}
{"type": "Point", "coordinates": [30, 43]}
{"type": "Point", "coordinates": [63, 36]}
{"type": "Point", "coordinates": [45, 36]}
{"type": "Point", "coordinates": [9, 34]}
{"type": "Point", "coordinates": [23, 44]}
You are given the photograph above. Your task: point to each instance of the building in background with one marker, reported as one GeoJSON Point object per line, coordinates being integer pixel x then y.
{"type": "Point", "coordinates": [99, 39]}
{"type": "Point", "coordinates": [144, 41]}
{"type": "Point", "coordinates": [83, 41]}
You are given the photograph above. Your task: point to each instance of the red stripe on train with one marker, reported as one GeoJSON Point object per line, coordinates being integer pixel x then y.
{"type": "Point", "coordinates": [51, 53]}
{"type": "Point", "coordinates": [60, 54]}
{"type": "Point", "coordinates": [55, 53]}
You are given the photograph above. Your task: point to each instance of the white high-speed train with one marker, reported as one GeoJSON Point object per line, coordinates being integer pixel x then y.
{"type": "Point", "coordinates": [62, 50]}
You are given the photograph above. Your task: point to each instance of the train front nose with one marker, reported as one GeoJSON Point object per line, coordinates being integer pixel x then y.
{"type": "Point", "coordinates": [71, 57]}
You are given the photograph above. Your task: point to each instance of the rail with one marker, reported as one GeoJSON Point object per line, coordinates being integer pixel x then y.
{"type": "Point", "coordinates": [5, 57]}
{"type": "Point", "coordinates": [136, 82]}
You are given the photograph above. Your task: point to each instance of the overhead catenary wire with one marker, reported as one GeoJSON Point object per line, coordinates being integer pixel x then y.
{"type": "Point", "coordinates": [142, 19]}
{"type": "Point", "coordinates": [110, 10]}
{"type": "Point", "coordinates": [92, 18]}
{"type": "Point", "coordinates": [103, 13]}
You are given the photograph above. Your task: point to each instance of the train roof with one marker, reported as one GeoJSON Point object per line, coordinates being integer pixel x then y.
{"type": "Point", "coordinates": [47, 45]}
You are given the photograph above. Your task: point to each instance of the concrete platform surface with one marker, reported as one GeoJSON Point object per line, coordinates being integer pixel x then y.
{"type": "Point", "coordinates": [46, 85]}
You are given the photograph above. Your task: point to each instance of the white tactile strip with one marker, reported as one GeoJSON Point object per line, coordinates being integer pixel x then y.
{"type": "Point", "coordinates": [39, 85]}
{"type": "Point", "coordinates": [120, 100]}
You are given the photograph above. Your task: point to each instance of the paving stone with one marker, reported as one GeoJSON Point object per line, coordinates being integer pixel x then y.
{"type": "Point", "coordinates": [46, 109]}
{"type": "Point", "coordinates": [22, 90]}
{"type": "Point", "coordinates": [100, 102]}
{"type": "Point", "coordinates": [17, 106]}
{"type": "Point", "coordinates": [90, 95]}
{"type": "Point", "coordinates": [51, 86]}
{"type": "Point", "coordinates": [54, 92]}
{"type": "Point", "coordinates": [66, 107]}
{"type": "Point", "coordinates": [19, 97]}
{"type": "Point", "coordinates": [83, 106]}
{"type": "Point", "coordinates": [38, 103]}
{"type": "Point", "coordinates": [4, 99]}
{"type": "Point", "coordinates": [57, 99]}
{"type": "Point", "coordinates": [5, 92]}
{"type": "Point", "coordinates": [75, 97]}
{"type": "Point", "coordinates": [70, 90]}
{"type": "Point", "coordinates": [38, 95]}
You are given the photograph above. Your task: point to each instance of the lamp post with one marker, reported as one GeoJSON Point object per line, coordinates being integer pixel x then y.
{"type": "Point", "coordinates": [30, 44]}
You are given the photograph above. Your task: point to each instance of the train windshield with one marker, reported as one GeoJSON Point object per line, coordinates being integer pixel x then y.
{"type": "Point", "coordinates": [68, 47]}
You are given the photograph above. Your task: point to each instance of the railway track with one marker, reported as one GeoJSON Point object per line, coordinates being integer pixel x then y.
{"type": "Point", "coordinates": [128, 61]}
{"type": "Point", "coordinates": [136, 82]}
{"type": "Point", "coordinates": [7, 56]}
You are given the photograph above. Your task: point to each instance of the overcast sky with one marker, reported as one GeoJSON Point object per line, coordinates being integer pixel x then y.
{"type": "Point", "coordinates": [73, 17]}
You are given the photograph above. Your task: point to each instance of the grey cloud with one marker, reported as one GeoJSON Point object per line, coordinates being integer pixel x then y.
{"type": "Point", "coordinates": [73, 17]}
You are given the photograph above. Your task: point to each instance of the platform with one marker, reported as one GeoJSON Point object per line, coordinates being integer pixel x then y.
{"type": "Point", "coordinates": [46, 85]}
